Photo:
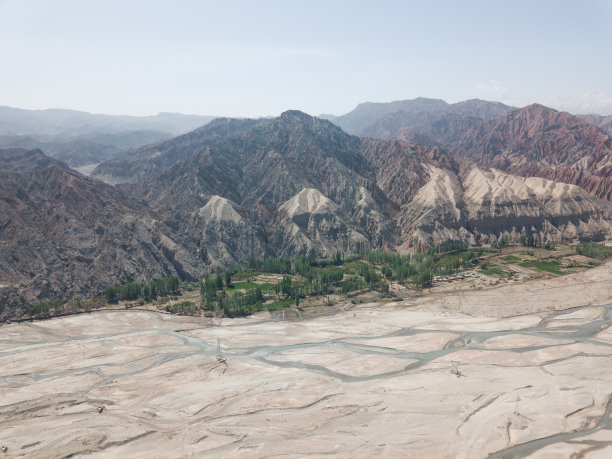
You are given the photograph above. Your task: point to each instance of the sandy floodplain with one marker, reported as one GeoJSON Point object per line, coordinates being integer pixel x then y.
{"type": "Point", "coordinates": [511, 371]}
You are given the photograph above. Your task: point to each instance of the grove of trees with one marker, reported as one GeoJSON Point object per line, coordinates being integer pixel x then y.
{"type": "Point", "coordinates": [136, 290]}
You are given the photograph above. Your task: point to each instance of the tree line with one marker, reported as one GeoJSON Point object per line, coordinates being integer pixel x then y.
{"type": "Point", "coordinates": [594, 250]}
{"type": "Point", "coordinates": [420, 267]}
{"type": "Point", "coordinates": [147, 291]}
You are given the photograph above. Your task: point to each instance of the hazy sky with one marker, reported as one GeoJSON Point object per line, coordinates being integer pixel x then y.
{"type": "Point", "coordinates": [257, 58]}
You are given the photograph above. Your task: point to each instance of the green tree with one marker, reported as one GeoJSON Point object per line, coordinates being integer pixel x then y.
{"type": "Point", "coordinates": [146, 292]}
{"type": "Point", "coordinates": [302, 266]}
{"type": "Point", "coordinates": [218, 279]}
{"type": "Point", "coordinates": [285, 286]}
{"type": "Point", "coordinates": [111, 294]}
{"type": "Point", "coordinates": [423, 278]}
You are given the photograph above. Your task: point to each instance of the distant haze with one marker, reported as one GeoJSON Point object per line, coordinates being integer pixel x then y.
{"type": "Point", "coordinates": [243, 58]}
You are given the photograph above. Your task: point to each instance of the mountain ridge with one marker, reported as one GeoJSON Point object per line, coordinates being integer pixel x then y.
{"type": "Point", "coordinates": [365, 118]}
{"type": "Point", "coordinates": [531, 141]}
{"type": "Point", "coordinates": [20, 160]}
{"type": "Point", "coordinates": [66, 122]}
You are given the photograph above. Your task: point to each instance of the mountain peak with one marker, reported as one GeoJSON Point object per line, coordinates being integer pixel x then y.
{"type": "Point", "coordinates": [537, 108]}
{"type": "Point", "coordinates": [307, 201]}
{"type": "Point", "coordinates": [537, 115]}
{"type": "Point", "coordinates": [295, 115]}
{"type": "Point", "coordinates": [292, 119]}
{"type": "Point", "coordinates": [24, 161]}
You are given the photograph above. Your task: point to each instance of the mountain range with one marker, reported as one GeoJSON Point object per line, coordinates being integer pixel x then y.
{"type": "Point", "coordinates": [535, 141]}
{"type": "Point", "coordinates": [383, 120]}
{"type": "Point", "coordinates": [530, 141]}
{"type": "Point", "coordinates": [83, 139]}
{"type": "Point", "coordinates": [72, 123]}
{"type": "Point", "coordinates": [85, 150]}
{"type": "Point", "coordinates": [236, 188]}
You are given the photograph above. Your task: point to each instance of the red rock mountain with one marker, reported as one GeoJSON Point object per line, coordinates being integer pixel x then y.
{"type": "Point", "coordinates": [534, 141]}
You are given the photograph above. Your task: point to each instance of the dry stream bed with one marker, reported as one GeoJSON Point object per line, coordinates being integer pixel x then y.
{"type": "Point", "coordinates": [522, 369]}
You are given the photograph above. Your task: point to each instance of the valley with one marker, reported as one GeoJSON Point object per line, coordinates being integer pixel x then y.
{"type": "Point", "coordinates": [261, 287]}
{"type": "Point", "coordinates": [305, 229]}
{"type": "Point", "coordinates": [306, 287]}
{"type": "Point", "coordinates": [280, 187]}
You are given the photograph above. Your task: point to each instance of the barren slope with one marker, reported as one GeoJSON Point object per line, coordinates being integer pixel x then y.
{"type": "Point", "coordinates": [63, 235]}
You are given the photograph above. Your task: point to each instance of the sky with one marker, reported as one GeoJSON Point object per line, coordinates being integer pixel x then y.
{"type": "Point", "coordinates": [260, 58]}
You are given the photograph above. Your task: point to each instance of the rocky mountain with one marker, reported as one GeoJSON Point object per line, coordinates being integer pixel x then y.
{"type": "Point", "coordinates": [384, 120]}
{"type": "Point", "coordinates": [155, 158]}
{"type": "Point", "coordinates": [24, 161]}
{"type": "Point", "coordinates": [299, 184]}
{"type": "Point", "coordinates": [367, 113]}
{"type": "Point", "coordinates": [264, 169]}
{"type": "Point", "coordinates": [534, 141]}
{"type": "Point", "coordinates": [63, 234]}
{"type": "Point", "coordinates": [282, 186]}
{"type": "Point", "coordinates": [440, 130]}
{"type": "Point", "coordinates": [88, 149]}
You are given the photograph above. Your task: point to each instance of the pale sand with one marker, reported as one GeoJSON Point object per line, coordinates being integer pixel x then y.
{"type": "Point", "coordinates": [374, 380]}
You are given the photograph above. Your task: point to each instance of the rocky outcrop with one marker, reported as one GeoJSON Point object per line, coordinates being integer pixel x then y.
{"type": "Point", "coordinates": [311, 223]}
{"type": "Point", "coordinates": [436, 214]}
{"type": "Point", "coordinates": [223, 234]}
{"type": "Point", "coordinates": [499, 203]}
{"type": "Point", "coordinates": [482, 205]}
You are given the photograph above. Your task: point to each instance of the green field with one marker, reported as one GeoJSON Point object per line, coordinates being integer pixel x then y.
{"type": "Point", "coordinates": [280, 304]}
{"type": "Point", "coordinates": [244, 274]}
{"type": "Point", "coordinates": [493, 271]}
{"type": "Point", "coordinates": [489, 269]}
{"type": "Point", "coordinates": [510, 259]}
{"type": "Point", "coordinates": [547, 266]}
{"type": "Point", "coordinates": [249, 284]}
